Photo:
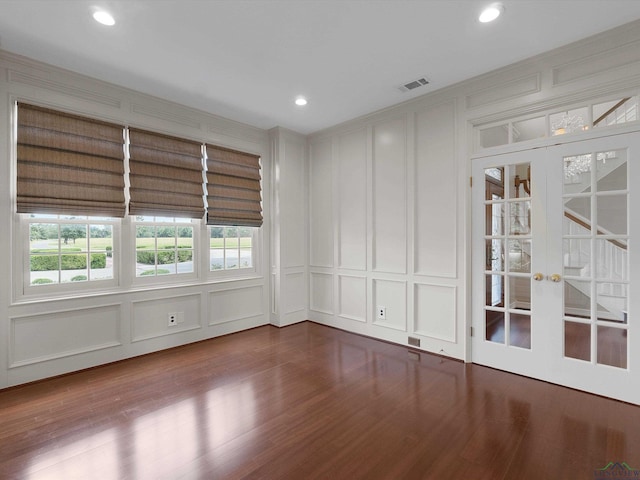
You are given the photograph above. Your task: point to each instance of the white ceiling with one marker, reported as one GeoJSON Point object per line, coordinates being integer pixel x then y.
{"type": "Point", "coordinates": [247, 60]}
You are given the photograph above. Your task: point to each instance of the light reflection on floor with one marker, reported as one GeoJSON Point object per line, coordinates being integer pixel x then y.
{"type": "Point", "coordinates": [79, 459]}
{"type": "Point", "coordinates": [176, 434]}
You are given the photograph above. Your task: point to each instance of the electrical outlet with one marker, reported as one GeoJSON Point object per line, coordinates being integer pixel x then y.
{"type": "Point", "coordinates": [381, 312]}
{"type": "Point", "coordinates": [172, 319]}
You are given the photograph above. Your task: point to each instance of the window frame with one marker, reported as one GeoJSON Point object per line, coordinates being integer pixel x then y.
{"type": "Point", "coordinates": [24, 287]}
{"type": "Point", "coordinates": [172, 278]}
{"type": "Point", "coordinates": [236, 273]}
{"type": "Point", "coordinates": [123, 241]}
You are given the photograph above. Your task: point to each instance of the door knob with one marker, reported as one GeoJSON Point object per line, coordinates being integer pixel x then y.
{"type": "Point", "coordinates": [555, 277]}
{"type": "Point", "coordinates": [538, 276]}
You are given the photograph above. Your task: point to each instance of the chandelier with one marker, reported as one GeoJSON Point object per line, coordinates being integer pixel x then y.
{"type": "Point", "coordinates": [577, 165]}
{"type": "Point", "coordinates": [567, 124]}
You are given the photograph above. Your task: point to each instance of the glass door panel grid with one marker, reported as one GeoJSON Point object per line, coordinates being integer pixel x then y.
{"type": "Point", "coordinates": [508, 255]}
{"type": "Point", "coordinates": [596, 267]}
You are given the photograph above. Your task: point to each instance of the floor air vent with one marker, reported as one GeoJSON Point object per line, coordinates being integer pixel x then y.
{"type": "Point", "coordinates": [414, 84]}
{"type": "Point", "coordinates": [414, 342]}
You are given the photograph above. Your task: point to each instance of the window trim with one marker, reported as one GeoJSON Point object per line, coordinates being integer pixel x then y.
{"type": "Point", "coordinates": [178, 279]}
{"type": "Point", "coordinates": [26, 290]}
{"type": "Point", "coordinates": [124, 275]}
{"type": "Point", "coordinates": [236, 273]}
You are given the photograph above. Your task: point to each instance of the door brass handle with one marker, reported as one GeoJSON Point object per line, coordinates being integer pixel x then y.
{"type": "Point", "coordinates": [555, 277]}
{"type": "Point", "coordinates": [538, 276]}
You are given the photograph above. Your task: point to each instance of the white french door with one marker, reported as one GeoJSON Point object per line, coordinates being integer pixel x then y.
{"type": "Point", "coordinates": [556, 285]}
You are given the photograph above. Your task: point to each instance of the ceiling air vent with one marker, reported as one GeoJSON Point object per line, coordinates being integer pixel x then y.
{"type": "Point", "coordinates": [414, 84]}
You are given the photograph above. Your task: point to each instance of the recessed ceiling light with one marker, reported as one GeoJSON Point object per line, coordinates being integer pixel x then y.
{"type": "Point", "coordinates": [104, 18]}
{"type": "Point", "coordinates": [301, 101]}
{"type": "Point", "coordinates": [492, 12]}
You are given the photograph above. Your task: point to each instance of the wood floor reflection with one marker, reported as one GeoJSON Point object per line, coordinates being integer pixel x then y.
{"type": "Point", "coordinates": [307, 402]}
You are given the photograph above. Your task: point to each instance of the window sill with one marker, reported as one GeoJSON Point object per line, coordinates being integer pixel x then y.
{"type": "Point", "coordinates": [115, 291]}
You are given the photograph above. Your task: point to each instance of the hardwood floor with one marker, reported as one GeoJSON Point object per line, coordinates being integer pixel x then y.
{"type": "Point", "coordinates": [307, 402]}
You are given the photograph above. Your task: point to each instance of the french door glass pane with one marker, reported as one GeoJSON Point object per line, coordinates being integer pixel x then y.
{"type": "Point", "coordinates": [577, 173]}
{"type": "Point", "coordinates": [520, 255]}
{"type": "Point", "coordinates": [496, 224]}
{"type": "Point", "coordinates": [611, 213]}
{"type": "Point", "coordinates": [495, 290]}
{"type": "Point", "coordinates": [495, 324]}
{"type": "Point", "coordinates": [520, 221]}
{"type": "Point", "coordinates": [612, 346]}
{"type": "Point", "coordinates": [495, 255]}
{"type": "Point", "coordinates": [577, 299]}
{"type": "Point", "coordinates": [612, 302]}
{"type": "Point", "coordinates": [520, 293]}
{"type": "Point", "coordinates": [611, 170]}
{"type": "Point", "coordinates": [577, 216]}
{"type": "Point", "coordinates": [577, 340]}
{"type": "Point", "coordinates": [577, 257]}
{"type": "Point", "coordinates": [520, 331]}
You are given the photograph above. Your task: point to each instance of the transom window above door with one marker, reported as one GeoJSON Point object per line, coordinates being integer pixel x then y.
{"type": "Point", "coordinates": [572, 120]}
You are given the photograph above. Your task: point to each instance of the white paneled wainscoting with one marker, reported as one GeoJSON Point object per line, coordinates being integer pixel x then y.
{"type": "Point", "coordinates": [385, 228]}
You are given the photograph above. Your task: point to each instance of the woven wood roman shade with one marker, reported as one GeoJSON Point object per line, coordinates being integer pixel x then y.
{"type": "Point", "coordinates": [233, 188]}
{"type": "Point", "coordinates": [68, 164]}
{"type": "Point", "coordinates": [165, 176]}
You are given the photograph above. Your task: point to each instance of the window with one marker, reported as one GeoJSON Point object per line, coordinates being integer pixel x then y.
{"type": "Point", "coordinates": [575, 120]}
{"type": "Point", "coordinates": [231, 248]}
{"type": "Point", "coordinates": [615, 112]}
{"type": "Point", "coordinates": [569, 121]}
{"type": "Point", "coordinates": [164, 246]}
{"type": "Point", "coordinates": [77, 177]}
{"type": "Point", "coordinates": [69, 250]}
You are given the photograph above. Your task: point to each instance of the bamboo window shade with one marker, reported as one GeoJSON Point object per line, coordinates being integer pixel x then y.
{"type": "Point", "coordinates": [233, 188]}
{"type": "Point", "coordinates": [68, 164]}
{"type": "Point", "coordinates": [165, 175]}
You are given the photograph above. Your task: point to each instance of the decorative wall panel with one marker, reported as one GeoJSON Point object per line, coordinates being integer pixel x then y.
{"type": "Point", "coordinates": [390, 196]}
{"type": "Point", "coordinates": [435, 311]}
{"type": "Point", "coordinates": [392, 295]}
{"type": "Point", "coordinates": [505, 90]}
{"type": "Point", "coordinates": [352, 301]}
{"type": "Point", "coordinates": [321, 204]}
{"type": "Point", "coordinates": [436, 191]}
{"type": "Point", "coordinates": [321, 292]}
{"type": "Point", "coordinates": [42, 337]}
{"type": "Point", "coordinates": [620, 56]}
{"type": "Point", "coordinates": [150, 317]}
{"type": "Point", "coordinates": [233, 304]}
{"type": "Point", "coordinates": [352, 184]}
{"type": "Point", "coordinates": [295, 292]}
{"type": "Point", "coordinates": [293, 204]}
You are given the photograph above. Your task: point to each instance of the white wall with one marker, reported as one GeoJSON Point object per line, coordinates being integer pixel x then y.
{"type": "Point", "coordinates": [395, 185]}
{"type": "Point", "coordinates": [42, 338]}
{"type": "Point", "coordinates": [386, 226]}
